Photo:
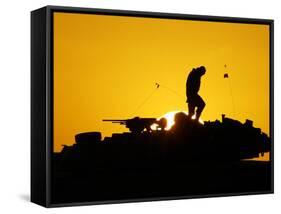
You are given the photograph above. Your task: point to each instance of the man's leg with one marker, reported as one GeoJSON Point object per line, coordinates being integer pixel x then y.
{"type": "Point", "coordinates": [191, 110]}
{"type": "Point", "coordinates": [200, 106]}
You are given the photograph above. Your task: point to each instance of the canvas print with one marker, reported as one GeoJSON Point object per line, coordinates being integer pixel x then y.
{"type": "Point", "coordinates": [155, 108]}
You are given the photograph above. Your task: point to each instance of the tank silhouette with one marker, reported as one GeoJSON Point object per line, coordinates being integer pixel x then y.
{"type": "Point", "coordinates": [189, 159]}
{"type": "Point", "coordinates": [186, 142]}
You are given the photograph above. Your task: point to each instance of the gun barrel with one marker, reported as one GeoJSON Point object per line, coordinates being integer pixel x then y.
{"type": "Point", "coordinates": [107, 120]}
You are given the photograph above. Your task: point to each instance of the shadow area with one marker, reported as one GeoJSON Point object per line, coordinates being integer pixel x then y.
{"type": "Point", "coordinates": [24, 197]}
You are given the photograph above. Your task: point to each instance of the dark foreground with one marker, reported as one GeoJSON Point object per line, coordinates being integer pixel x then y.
{"type": "Point", "coordinates": [189, 160]}
{"type": "Point", "coordinates": [191, 180]}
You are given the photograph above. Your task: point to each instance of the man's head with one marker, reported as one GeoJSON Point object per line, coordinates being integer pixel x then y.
{"type": "Point", "coordinates": [201, 70]}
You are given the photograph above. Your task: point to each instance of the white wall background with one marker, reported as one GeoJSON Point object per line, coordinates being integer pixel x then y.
{"type": "Point", "coordinates": [15, 106]}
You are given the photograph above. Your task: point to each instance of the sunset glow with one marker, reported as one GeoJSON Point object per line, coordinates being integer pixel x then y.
{"type": "Point", "coordinates": [170, 116]}
{"type": "Point", "coordinates": [107, 66]}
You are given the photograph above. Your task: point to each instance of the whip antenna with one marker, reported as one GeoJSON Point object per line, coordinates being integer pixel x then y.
{"type": "Point", "coordinates": [146, 99]}
{"type": "Point", "coordinates": [226, 76]}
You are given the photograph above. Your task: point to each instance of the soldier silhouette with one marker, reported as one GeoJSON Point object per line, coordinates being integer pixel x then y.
{"type": "Point", "coordinates": [192, 88]}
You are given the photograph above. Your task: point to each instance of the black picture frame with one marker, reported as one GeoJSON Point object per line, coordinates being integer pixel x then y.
{"type": "Point", "coordinates": [42, 96]}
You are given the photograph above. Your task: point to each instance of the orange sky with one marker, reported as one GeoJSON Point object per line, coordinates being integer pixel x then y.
{"type": "Point", "coordinates": [105, 66]}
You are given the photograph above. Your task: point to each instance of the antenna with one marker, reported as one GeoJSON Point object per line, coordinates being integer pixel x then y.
{"type": "Point", "coordinates": [226, 76]}
{"type": "Point", "coordinates": [146, 99]}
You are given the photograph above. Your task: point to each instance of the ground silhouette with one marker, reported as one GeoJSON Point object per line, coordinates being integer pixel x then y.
{"type": "Point", "coordinates": [190, 159]}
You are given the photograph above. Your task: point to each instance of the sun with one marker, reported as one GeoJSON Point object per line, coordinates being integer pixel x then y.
{"type": "Point", "coordinates": [170, 119]}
